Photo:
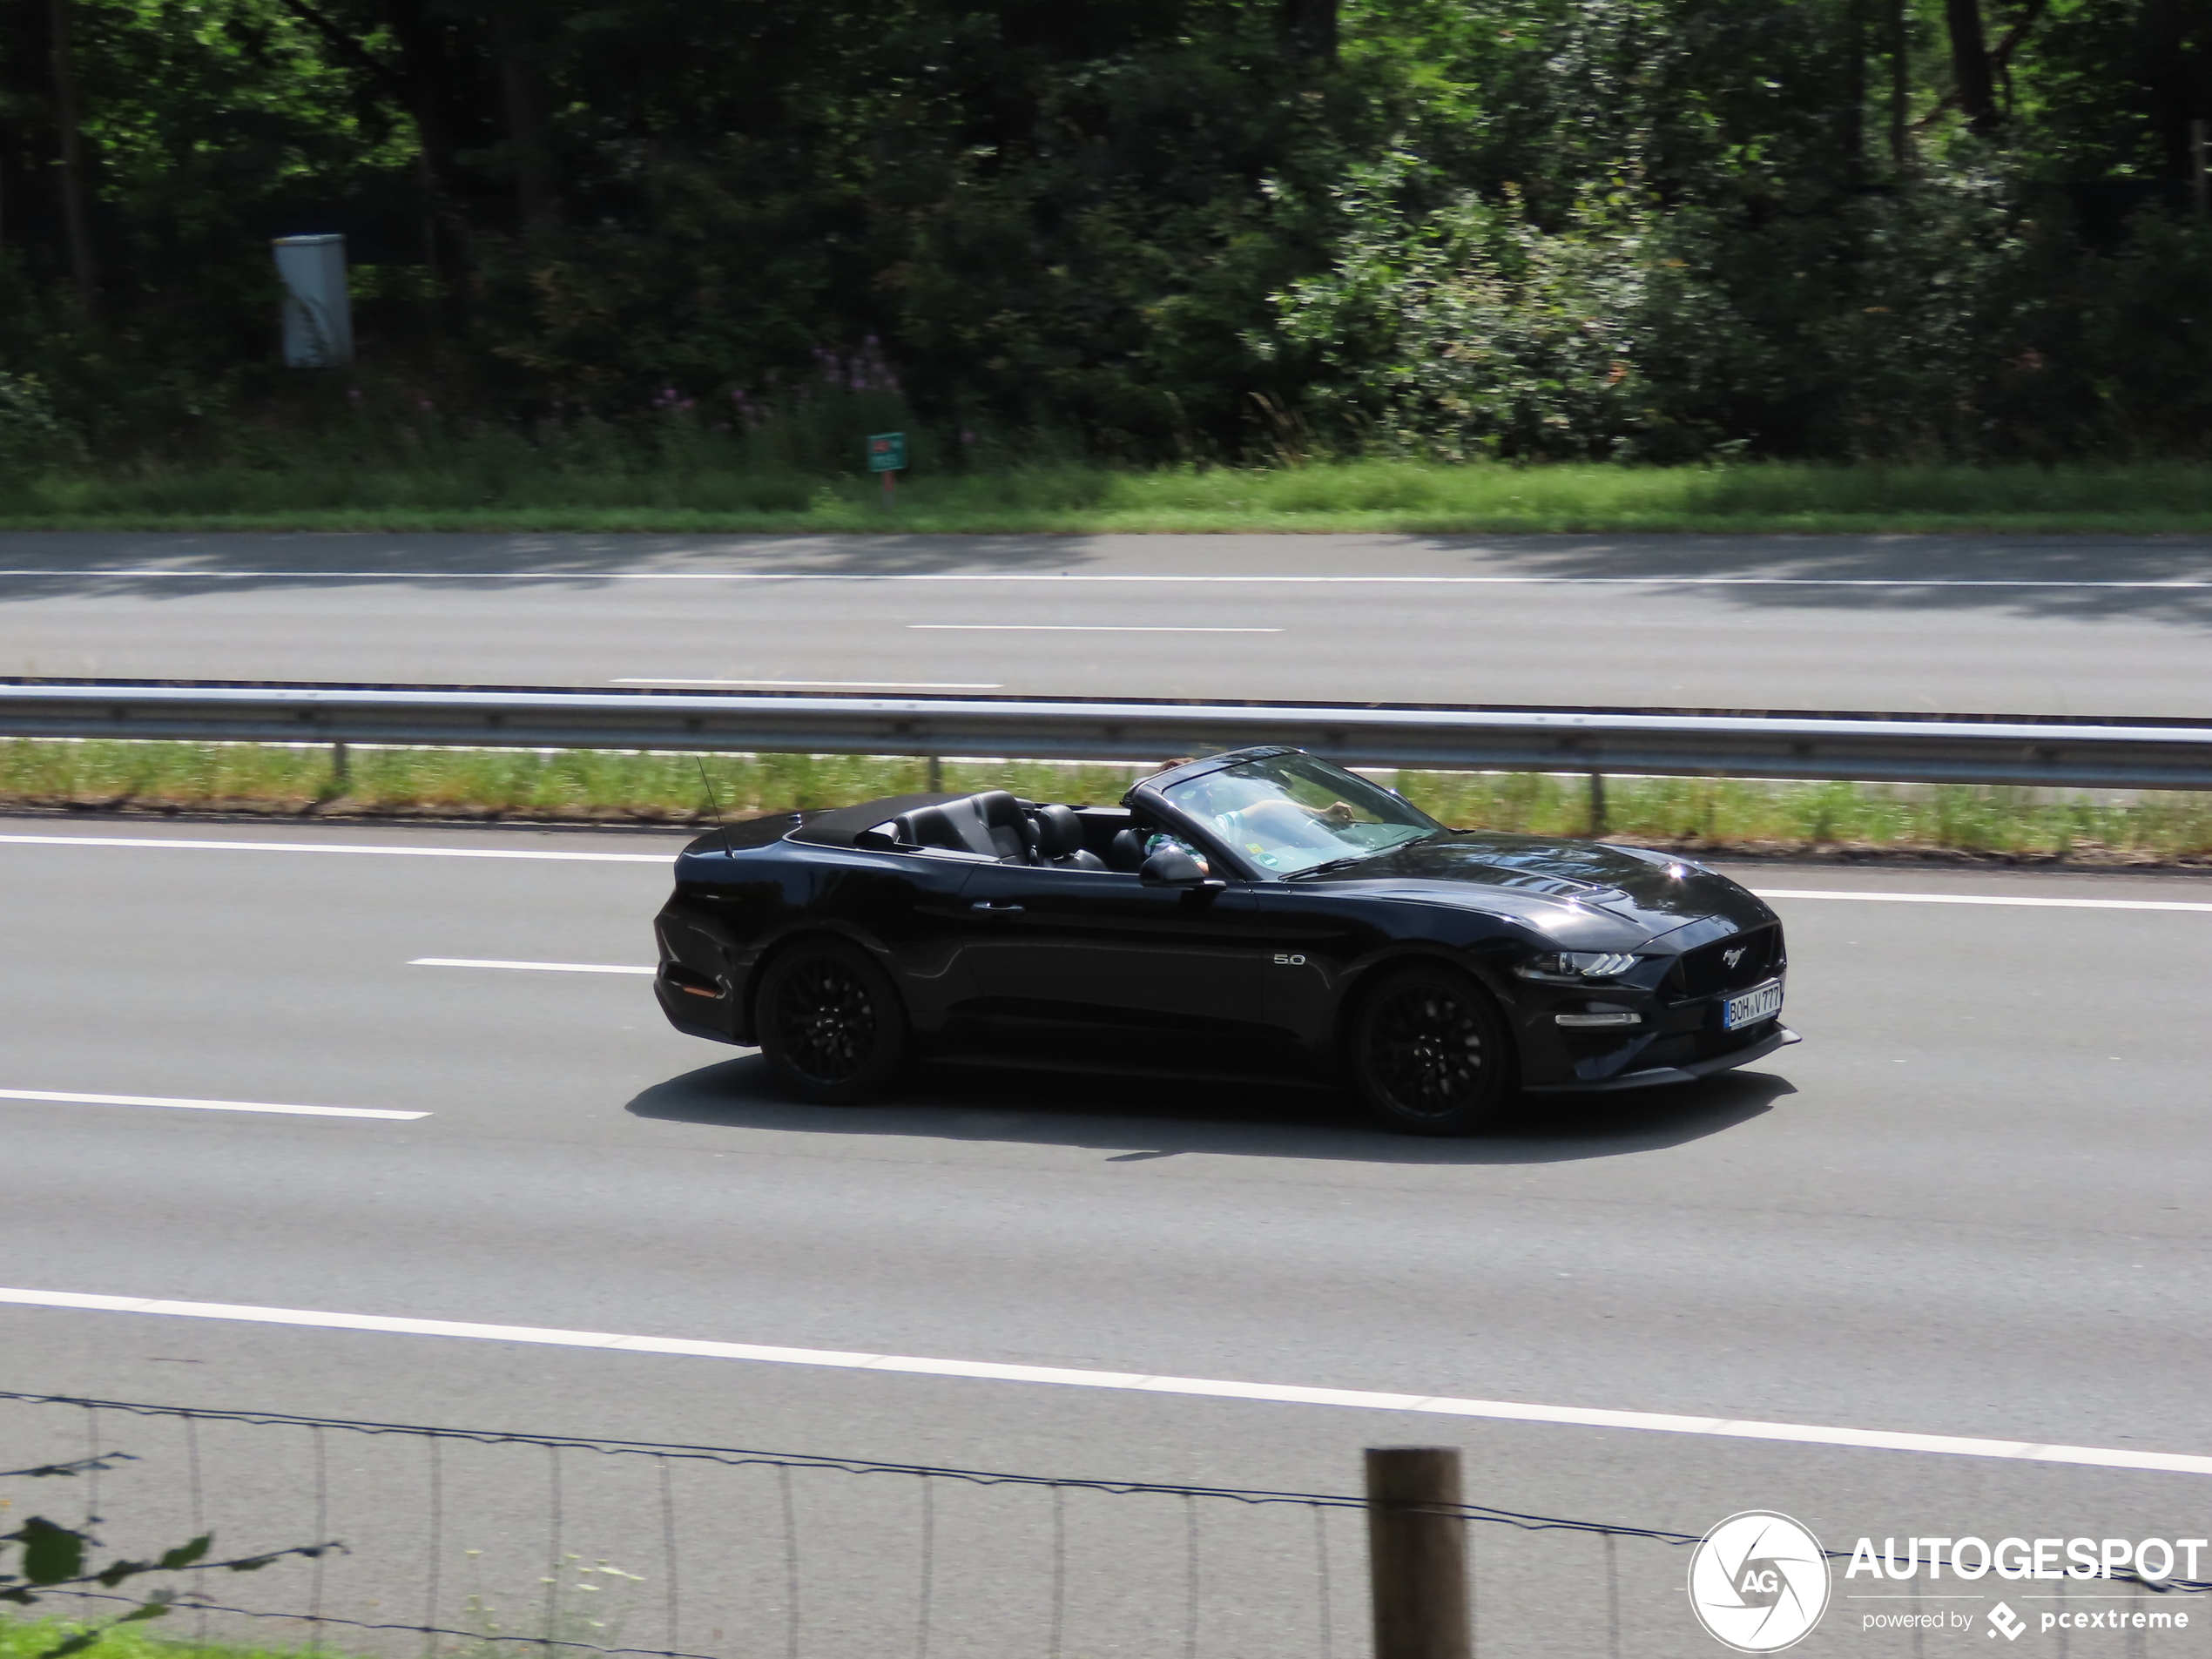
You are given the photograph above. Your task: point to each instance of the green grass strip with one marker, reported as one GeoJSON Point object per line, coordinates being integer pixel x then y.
{"type": "Point", "coordinates": [495, 492]}
{"type": "Point", "coordinates": [602, 786]}
{"type": "Point", "coordinates": [27, 1638]}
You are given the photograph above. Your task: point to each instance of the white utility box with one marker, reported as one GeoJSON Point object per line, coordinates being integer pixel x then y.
{"type": "Point", "coordinates": [318, 315]}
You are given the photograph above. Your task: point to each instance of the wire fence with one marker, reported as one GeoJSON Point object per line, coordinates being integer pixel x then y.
{"type": "Point", "coordinates": [479, 1544]}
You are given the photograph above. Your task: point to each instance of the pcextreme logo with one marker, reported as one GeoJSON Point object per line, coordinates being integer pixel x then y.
{"type": "Point", "coordinates": [1758, 1583]}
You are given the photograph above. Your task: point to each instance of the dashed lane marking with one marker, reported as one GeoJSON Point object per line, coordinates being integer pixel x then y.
{"type": "Point", "coordinates": [535, 967]}
{"type": "Point", "coordinates": [1076, 628]}
{"type": "Point", "coordinates": [818, 686]}
{"type": "Point", "coordinates": [66, 1098]}
{"type": "Point", "coordinates": [1984, 899]}
{"type": "Point", "coordinates": [333, 847]}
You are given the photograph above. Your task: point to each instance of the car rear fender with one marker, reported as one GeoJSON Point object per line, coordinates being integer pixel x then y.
{"type": "Point", "coordinates": [755, 968]}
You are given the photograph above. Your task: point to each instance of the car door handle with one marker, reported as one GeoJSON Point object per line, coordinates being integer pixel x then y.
{"type": "Point", "coordinates": [992, 906]}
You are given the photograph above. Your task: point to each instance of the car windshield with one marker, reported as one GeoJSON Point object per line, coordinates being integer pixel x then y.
{"type": "Point", "coordinates": [1290, 813]}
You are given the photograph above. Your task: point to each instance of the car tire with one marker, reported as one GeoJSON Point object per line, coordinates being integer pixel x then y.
{"type": "Point", "coordinates": [1430, 1054]}
{"type": "Point", "coordinates": [833, 1027]}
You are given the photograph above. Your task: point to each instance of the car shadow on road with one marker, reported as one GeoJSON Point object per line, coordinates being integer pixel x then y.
{"type": "Point", "coordinates": [1139, 1120]}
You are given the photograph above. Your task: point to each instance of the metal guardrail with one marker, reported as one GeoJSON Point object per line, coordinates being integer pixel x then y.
{"type": "Point", "coordinates": [1875, 747]}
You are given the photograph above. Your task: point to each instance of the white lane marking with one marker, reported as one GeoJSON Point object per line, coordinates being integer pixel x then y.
{"type": "Point", "coordinates": [1976, 898]}
{"type": "Point", "coordinates": [1505, 1411]}
{"type": "Point", "coordinates": [663, 858]}
{"type": "Point", "coordinates": [332, 846]}
{"type": "Point", "coordinates": [1538, 581]}
{"type": "Point", "coordinates": [68, 1099]}
{"type": "Point", "coordinates": [1072, 628]}
{"type": "Point", "coordinates": [855, 685]}
{"type": "Point", "coordinates": [539, 968]}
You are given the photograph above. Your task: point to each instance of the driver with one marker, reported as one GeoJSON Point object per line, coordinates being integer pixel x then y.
{"type": "Point", "coordinates": [1255, 807]}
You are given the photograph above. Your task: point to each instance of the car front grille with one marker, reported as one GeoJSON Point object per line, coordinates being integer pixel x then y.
{"type": "Point", "coordinates": [1707, 971]}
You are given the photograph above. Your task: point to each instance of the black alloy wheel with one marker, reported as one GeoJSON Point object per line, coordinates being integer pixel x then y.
{"type": "Point", "coordinates": [832, 1028]}
{"type": "Point", "coordinates": [1430, 1053]}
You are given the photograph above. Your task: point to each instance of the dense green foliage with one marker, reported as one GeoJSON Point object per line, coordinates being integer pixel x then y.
{"type": "Point", "coordinates": [1142, 230]}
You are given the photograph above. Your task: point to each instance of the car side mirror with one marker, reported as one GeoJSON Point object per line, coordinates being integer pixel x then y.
{"type": "Point", "coordinates": [1172, 867]}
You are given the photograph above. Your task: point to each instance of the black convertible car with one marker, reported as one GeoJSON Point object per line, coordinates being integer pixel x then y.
{"type": "Point", "coordinates": [1253, 912]}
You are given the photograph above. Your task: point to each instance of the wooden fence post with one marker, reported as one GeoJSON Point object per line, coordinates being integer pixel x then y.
{"type": "Point", "coordinates": [1417, 1553]}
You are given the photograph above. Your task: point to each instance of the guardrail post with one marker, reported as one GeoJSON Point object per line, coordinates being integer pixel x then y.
{"type": "Point", "coordinates": [935, 773]}
{"type": "Point", "coordinates": [341, 764]}
{"type": "Point", "coordinates": [1597, 803]}
{"type": "Point", "coordinates": [1417, 1553]}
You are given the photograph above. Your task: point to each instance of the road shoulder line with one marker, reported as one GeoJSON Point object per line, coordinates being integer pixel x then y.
{"type": "Point", "coordinates": [1503, 1411]}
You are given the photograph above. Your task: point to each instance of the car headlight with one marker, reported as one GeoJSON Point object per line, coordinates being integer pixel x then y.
{"type": "Point", "coordinates": [1573, 967]}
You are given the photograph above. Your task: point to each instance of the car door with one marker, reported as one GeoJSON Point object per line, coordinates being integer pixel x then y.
{"type": "Point", "coordinates": [1099, 949]}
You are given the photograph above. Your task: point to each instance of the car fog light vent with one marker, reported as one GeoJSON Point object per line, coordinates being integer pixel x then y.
{"type": "Point", "coordinates": [1624, 1017]}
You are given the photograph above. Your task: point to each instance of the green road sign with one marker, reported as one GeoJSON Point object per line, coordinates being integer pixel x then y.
{"type": "Point", "coordinates": [887, 452]}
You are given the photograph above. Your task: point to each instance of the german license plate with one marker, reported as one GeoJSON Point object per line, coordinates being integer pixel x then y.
{"type": "Point", "coordinates": [1761, 1003]}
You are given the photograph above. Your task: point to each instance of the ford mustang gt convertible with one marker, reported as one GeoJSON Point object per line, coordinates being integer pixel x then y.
{"type": "Point", "coordinates": [1252, 913]}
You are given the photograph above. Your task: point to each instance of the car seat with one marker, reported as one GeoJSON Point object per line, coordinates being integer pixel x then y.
{"type": "Point", "coordinates": [991, 823]}
{"type": "Point", "coordinates": [1012, 833]}
{"type": "Point", "coordinates": [1126, 851]}
{"type": "Point", "coordinates": [1060, 840]}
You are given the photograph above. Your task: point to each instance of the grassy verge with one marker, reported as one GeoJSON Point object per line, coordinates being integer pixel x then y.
{"type": "Point", "coordinates": [27, 1638]}
{"type": "Point", "coordinates": [1715, 815]}
{"type": "Point", "coordinates": [454, 492]}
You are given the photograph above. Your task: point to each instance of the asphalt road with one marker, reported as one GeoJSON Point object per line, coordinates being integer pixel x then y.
{"type": "Point", "coordinates": [1970, 1204]}
{"type": "Point", "coordinates": [2061, 625]}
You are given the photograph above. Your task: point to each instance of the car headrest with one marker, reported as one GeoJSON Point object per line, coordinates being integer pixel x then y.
{"type": "Point", "coordinates": [1059, 831]}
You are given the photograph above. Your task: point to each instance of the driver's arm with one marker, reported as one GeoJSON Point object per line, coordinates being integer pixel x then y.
{"type": "Point", "coordinates": [1159, 843]}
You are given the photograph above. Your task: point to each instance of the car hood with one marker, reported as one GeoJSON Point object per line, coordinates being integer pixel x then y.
{"type": "Point", "coordinates": [1548, 881]}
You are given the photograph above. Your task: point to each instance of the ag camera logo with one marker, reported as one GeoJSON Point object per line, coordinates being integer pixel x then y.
{"type": "Point", "coordinates": [1758, 1583]}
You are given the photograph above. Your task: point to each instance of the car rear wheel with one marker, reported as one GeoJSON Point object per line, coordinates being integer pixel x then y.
{"type": "Point", "coordinates": [1430, 1054]}
{"type": "Point", "coordinates": [832, 1028]}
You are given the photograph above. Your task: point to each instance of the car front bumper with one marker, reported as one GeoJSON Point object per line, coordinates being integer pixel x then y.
{"type": "Point", "coordinates": [1688, 1071]}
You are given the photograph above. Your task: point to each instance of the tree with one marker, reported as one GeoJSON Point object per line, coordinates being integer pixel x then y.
{"type": "Point", "coordinates": [1970, 71]}
{"type": "Point", "coordinates": [70, 143]}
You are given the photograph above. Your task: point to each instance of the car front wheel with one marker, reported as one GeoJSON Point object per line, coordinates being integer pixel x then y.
{"type": "Point", "coordinates": [1430, 1054]}
{"type": "Point", "coordinates": [832, 1028]}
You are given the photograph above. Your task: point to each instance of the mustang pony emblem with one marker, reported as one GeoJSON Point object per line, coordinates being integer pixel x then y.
{"type": "Point", "coordinates": [1732, 957]}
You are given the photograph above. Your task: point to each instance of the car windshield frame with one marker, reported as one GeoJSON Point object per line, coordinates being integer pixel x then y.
{"type": "Point", "coordinates": [1289, 814]}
